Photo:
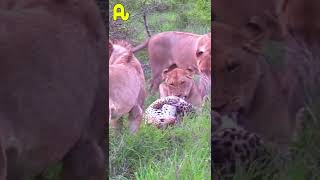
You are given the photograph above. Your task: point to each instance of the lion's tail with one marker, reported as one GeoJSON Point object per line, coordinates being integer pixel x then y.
{"type": "Point", "coordinates": [141, 46]}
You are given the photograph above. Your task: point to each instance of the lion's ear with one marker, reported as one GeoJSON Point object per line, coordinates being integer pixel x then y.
{"type": "Point", "coordinates": [192, 70]}
{"type": "Point", "coordinates": [257, 31]}
{"type": "Point", "coordinates": [256, 26]}
{"type": "Point", "coordinates": [172, 66]}
{"type": "Point", "coordinates": [261, 28]}
{"type": "Point", "coordinates": [165, 71]}
{"type": "Point", "coordinates": [282, 6]}
{"type": "Point", "coordinates": [164, 74]}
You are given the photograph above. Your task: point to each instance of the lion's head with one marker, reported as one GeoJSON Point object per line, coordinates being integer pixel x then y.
{"type": "Point", "coordinates": [236, 68]}
{"type": "Point", "coordinates": [177, 81]}
{"type": "Point", "coordinates": [120, 51]}
{"type": "Point", "coordinates": [203, 54]}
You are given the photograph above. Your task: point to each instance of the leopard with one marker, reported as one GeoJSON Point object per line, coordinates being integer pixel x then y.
{"type": "Point", "coordinates": [167, 111]}
{"type": "Point", "coordinates": [233, 145]}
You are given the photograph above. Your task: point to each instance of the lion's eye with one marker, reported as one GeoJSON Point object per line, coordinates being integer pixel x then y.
{"type": "Point", "coordinates": [182, 82]}
{"type": "Point", "coordinates": [199, 53]}
{"type": "Point", "coordinates": [232, 67]}
{"type": "Point", "coordinates": [171, 84]}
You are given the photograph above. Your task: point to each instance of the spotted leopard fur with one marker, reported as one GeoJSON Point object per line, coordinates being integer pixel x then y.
{"type": "Point", "coordinates": [234, 145]}
{"type": "Point", "coordinates": [167, 111]}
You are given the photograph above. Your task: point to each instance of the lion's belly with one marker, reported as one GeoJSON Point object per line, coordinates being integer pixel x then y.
{"type": "Point", "coordinates": [124, 89]}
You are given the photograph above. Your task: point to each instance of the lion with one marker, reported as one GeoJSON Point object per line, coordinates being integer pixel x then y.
{"type": "Point", "coordinates": [179, 82]}
{"type": "Point", "coordinates": [167, 48]}
{"type": "Point", "coordinates": [203, 58]}
{"type": "Point", "coordinates": [300, 24]}
{"type": "Point", "coordinates": [245, 84]}
{"type": "Point", "coordinates": [53, 89]}
{"type": "Point", "coordinates": [203, 54]}
{"type": "Point", "coordinates": [260, 13]}
{"type": "Point", "coordinates": [126, 86]}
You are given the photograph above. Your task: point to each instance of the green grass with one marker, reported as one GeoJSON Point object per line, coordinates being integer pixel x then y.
{"type": "Point", "coordinates": [180, 152]}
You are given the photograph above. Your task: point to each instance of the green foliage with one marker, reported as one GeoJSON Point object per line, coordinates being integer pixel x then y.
{"type": "Point", "coordinates": [201, 12]}
{"type": "Point", "coordinates": [163, 15]}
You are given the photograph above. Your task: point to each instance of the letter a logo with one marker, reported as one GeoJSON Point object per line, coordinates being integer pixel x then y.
{"type": "Point", "coordinates": [118, 11]}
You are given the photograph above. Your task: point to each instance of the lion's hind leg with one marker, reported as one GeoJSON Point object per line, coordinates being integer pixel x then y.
{"type": "Point", "coordinates": [135, 117]}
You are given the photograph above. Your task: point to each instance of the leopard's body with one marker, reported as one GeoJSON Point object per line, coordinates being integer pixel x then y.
{"type": "Point", "coordinates": [235, 145]}
{"type": "Point", "coordinates": [166, 111]}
